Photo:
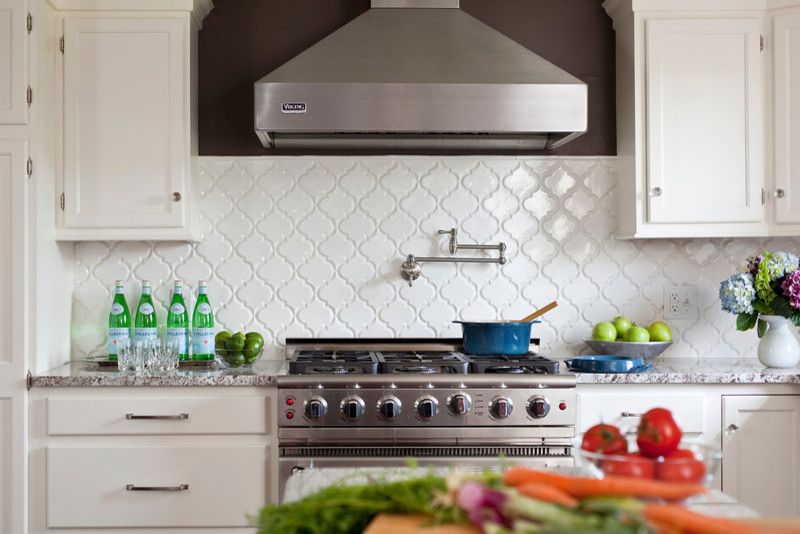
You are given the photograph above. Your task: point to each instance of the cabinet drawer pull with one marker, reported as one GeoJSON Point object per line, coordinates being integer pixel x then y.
{"type": "Point", "coordinates": [630, 414]}
{"type": "Point", "coordinates": [179, 417]}
{"type": "Point", "coordinates": [133, 487]}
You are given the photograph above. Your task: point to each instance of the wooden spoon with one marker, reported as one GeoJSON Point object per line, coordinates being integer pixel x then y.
{"type": "Point", "coordinates": [539, 312]}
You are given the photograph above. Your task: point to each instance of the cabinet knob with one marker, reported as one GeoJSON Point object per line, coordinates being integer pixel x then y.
{"type": "Point", "coordinates": [732, 428]}
{"type": "Point", "coordinates": [176, 197]}
{"type": "Point", "coordinates": [656, 191]}
{"type": "Point", "coordinates": [780, 193]}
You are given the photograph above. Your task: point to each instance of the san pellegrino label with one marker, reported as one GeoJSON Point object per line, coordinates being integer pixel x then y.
{"type": "Point", "coordinates": [202, 326]}
{"type": "Point", "coordinates": [146, 323]}
{"type": "Point", "coordinates": [119, 321]}
{"type": "Point", "coordinates": [178, 321]}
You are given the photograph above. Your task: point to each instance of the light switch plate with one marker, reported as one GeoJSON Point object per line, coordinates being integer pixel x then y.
{"type": "Point", "coordinates": [680, 302]}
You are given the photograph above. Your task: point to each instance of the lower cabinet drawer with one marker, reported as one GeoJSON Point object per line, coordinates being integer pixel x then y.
{"type": "Point", "coordinates": [189, 486]}
{"type": "Point", "coordinates": [624, 410]}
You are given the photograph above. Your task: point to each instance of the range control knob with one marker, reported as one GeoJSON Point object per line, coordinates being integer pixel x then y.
{"type": "Point", "coordinates": [538, 407]}
{"type": "Point", "coordinates": [352, 407]}
{"type": "Point", "coordinates": [389, 407]}
{"type": "Point", "coordinates": [501, 407]}
{"type": "Point", "coordinates": [427, 407]}
{"type": "Point", "coordinates": [459, 404]}
{"type": "Point", "coordinates": [315, 408]}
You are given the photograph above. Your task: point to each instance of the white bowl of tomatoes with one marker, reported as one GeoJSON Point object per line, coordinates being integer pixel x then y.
{"type": "Point", "coordinates": [657, 452]}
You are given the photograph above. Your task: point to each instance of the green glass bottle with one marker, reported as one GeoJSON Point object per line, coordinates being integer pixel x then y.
{"type": "Point", "coordinates": [119, 321]}
{"type": "Point", "coordinates": [202, 326]}
{"type": "Point", "coordinates": [178, 321]}
{"type": "Point", "coordinates": [146, 323]}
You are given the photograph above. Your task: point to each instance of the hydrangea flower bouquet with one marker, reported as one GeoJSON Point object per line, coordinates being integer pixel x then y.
{"type": "Point", "coordinates": [767, 294]}
{"type": "Point", "coordinates": [769, 286]}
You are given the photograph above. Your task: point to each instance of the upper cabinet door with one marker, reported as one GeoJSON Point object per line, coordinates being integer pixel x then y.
{"type": "Point", "coordinates": [13, 61]}
{"type": "Point", "coordinates": [705, 161]}
{"type": "Point", "coordinates": [787, 118]}
{"type": "Point", "coordinates": [125, 125]}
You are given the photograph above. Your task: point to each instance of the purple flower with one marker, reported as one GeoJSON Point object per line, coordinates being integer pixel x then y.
{"type": "Point", "coordinates": [791, 288]}
{"type": "Point", "coordinates": [752, 263]}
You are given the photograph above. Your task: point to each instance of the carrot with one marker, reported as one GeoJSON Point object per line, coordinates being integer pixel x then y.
{"type": "Point", "coordinates": [665, 528]}
{"type": "Point", "coordinates": [610, 486]}
{"type": "Point", "coordinates": [544, 492]}
{"type": "Point", "coordinates": [686, 520]}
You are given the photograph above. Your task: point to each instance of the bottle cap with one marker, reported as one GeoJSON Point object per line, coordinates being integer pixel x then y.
{"type": "Point", "coordinates": [145, 283]}
{"type": "Point", "coordinates": [178, 282]}
{"type": "Point", "coordinates": [201, 282]}
{"type": "Point", "coordinates": [119, 282]}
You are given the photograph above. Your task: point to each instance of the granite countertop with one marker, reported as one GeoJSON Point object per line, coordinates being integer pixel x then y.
{"type": "Point", "coordinates": [664, 371]}
{"type": "Point", "coordinates": [698, 371]}
{"type": "Point", "coordinates": [83, 374]}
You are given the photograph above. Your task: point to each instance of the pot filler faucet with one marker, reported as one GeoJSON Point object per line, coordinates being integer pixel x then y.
{"type": "Point", "coordinates": [411, 269]}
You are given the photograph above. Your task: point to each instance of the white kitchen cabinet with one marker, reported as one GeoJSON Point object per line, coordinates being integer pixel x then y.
{"type": "Point", "coordinates": [761, 452]}
{"type": "Point", "coordinates": [704, 120]}
{"type": "Point", "coordinates": [786, 68]}
{"type": "Point", "coordinates": [128, 118]}
{"type": "Point", "coordinates": [211, 468]}
{"type": "Point", "coordinates": [13, 313]}
{"type": "Point", "coordinates": [690, 118]}
{"type": "Point", "coordinates": [13, 61]}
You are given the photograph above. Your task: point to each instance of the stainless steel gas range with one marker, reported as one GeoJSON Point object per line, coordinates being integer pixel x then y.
{"type": "Point", "coordinates": [376, 403]}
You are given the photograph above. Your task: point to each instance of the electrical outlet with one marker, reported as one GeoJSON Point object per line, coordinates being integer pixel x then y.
{"type": "Point", "coordinates": [680, 302]}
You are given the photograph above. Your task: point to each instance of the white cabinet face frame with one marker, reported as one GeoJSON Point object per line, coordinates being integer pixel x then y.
{"type": "Point", "coordinates": [761, 452]}
{"type": "Point", "coordinates": [705, 124]}
{"type": "Point", "coordinates": [13, 311]}
{"type": "Point", "coordinates": [125, 121]}
{"type": "Point", "coordinates": [13, 61]}
{"type": "Point", "coordinates": [786, 68]}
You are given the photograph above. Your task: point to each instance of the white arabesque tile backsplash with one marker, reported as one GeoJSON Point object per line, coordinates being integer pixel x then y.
{"type": "Point", "coordinates": [311, 246]}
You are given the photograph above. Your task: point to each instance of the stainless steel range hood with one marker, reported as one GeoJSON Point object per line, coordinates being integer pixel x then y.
{"type": "Point", "coordinates": [417, 75]}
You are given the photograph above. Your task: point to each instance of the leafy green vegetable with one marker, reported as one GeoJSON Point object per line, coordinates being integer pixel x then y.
{"type": "Point", "coordinates": [349, 509]}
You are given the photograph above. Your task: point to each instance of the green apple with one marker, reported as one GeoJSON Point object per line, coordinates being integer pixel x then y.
{"type": "Point", "coordinates": [659, 331]}
{"type": "Point", "coordinates": [604, 331]}
{"type": "Point", "coordinates": [637, 334]}
{"type": "Point", "coordinates": [622, 324]}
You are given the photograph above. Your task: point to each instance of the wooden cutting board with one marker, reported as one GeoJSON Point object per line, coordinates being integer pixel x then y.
{"type": "Point", "coordinates": [408, 524]}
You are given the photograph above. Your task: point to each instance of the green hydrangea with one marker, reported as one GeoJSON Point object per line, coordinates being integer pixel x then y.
{"type": "Point", "coordinates": [763, 282]}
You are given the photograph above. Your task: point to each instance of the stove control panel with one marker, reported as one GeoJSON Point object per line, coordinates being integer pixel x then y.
{"type": "Point", "coordinates": [424, 406]}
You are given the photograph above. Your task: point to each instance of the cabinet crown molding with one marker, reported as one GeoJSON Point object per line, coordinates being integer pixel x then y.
{"type": "Point", "coordinates": [198, 8]}
{"type": "Point", "coordinates": [618, 10]}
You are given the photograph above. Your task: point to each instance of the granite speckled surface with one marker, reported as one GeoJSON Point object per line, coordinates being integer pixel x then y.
{"type": "Point", "coordinates": [699, 371]}
{"type": "Point", "coordinates": [664, 371]}
{"type": "Point", "coordinates": [82, 374]}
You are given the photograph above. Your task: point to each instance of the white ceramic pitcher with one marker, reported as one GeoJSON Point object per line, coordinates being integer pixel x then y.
{"type": "Point", "coordinates": [779, 347]}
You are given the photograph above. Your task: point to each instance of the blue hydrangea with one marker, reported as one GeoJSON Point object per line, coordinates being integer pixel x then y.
{"type": "Point", "coordinates": [737, 294]}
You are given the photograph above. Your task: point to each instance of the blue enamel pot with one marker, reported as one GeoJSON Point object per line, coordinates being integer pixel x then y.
{"type": "Point", "coordinates": [508, 338]}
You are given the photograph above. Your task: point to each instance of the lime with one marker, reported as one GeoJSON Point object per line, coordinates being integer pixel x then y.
{"type": "Point", "coordinates": [235, 359]}
{"type": "Point", "coordinates": [235, 343]}
{"type": "Point", "coordinates": [221, 338]}
{"type": "Point", "coordinates": [251, 351]}
{"type": "Point", "coordinates": [255, 335]}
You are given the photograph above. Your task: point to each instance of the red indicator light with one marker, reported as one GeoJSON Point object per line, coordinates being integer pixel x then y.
{"type": "Point", "coordinates": [562, 406]}
{"type": "Point", "coordinates": [289, 401]}
{"type": "Point", "coordinates": [290, 414]}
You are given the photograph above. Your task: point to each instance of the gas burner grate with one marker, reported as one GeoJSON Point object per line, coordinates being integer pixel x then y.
{"type": "Point", "coordinates": [333, 363]}
{"type": "Point", "coordinates": [523, 364]}
{"type": "Point", "coordinates": [422, 363]}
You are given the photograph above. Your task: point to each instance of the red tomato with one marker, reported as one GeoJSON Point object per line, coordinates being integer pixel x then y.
{"type": "Point", "coordinates": [629, 465]}
{"type": "Point", "coordinates": [658, 433]}
{"type": "Point", "coordinates": [604, 439]}
{"type": "Point", "coordinates": [681, 468]}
